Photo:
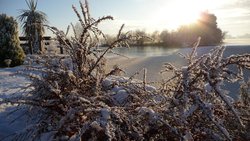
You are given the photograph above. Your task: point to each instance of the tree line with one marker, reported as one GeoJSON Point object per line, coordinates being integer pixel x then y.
{"type": "Point", "coordinates": [206, 28]}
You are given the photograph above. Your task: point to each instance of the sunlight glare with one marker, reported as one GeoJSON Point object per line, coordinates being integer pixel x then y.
{"type": "Point", "coordinates": [176, 13]}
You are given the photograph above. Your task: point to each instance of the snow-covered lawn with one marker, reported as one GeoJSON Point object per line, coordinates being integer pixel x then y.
{"type": "Point", "coordinates": [10, 86]}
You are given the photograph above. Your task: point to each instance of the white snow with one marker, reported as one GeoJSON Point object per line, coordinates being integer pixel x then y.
{"type": "Point", "coordinates": [190, 111]}
{"type": "Point", "coordinates": [107, 82]}
{"type": "Point", "coordinates": [121, 96]}
{"type": "Point", "coordinates": [116, 89]}
{"type": "Point", "coordinates": [188, 136]}
{"type": "Point", "coordinates": [147, 111]}
{"type": "Point", "coordinates": [11, 86]}
{"type": "Point", "coordinates": [120, 93]}
{"type": "Point", "coordinates": [208, 88]}
{"type": "Point", "coordinates": [150, 88]}
{"type": "Point", "coordinates": [47, 136]}
{"type": "Point", "coordinates": [105, 113]}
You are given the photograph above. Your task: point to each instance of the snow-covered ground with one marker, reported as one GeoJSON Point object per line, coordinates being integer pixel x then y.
{"type": "Point", "coordinates": [11, 85]}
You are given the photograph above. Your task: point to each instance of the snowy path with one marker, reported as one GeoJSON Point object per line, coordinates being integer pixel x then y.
{"type": "Point", "coordinates": [10, 85]}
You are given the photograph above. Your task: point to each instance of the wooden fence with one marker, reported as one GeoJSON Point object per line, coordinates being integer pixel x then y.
{"type": "Point", "coordinates": [47, 44]}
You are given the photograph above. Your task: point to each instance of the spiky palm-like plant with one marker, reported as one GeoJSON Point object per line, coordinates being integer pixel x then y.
{"type": "Point", "coordinates": [32, 23]}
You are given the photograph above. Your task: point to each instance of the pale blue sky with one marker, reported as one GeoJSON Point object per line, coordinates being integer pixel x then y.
{"type": "Point", "coordinates": [149, 15]}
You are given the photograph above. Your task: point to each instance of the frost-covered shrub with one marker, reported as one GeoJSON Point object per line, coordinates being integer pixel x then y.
{"type": "Point", "coordinates": [245, 93]}
{"type": "Point", "coordinates": [68, 94]}
{"type": "Point", "coordinates": [75, 99]}
{"type": "Point", "coordinates": [197, 103]}
{"type": "Point", "coordinates": [9, 42]}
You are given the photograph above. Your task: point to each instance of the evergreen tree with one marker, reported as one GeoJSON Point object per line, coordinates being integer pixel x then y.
{"type": "Point", "coordinates": [10, 49]}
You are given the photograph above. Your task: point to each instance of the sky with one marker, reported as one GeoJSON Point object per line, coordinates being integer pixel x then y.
{"type": "Point", "coordinates": [233, 16]}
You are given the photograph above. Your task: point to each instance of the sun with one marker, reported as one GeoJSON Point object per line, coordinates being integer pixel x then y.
{"type": "Point", "coordinates": [179, 12]}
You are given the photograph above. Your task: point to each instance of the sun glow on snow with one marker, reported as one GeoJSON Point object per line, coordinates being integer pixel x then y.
{"type": "Point", "coordinates": [179, 12]}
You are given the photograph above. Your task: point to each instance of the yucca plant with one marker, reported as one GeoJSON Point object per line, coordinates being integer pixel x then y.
{"type": "Point", "coordinates": [33, 26]}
